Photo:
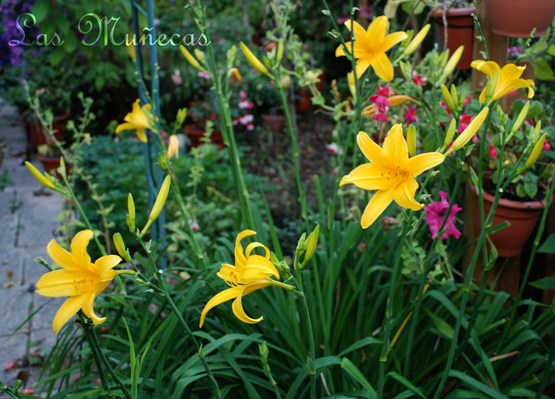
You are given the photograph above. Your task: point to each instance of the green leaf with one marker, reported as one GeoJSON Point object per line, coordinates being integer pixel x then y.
{"type": "Point", "coordinates": [542, 69]}
{"type": "Point", "coordinates": [57, 56]}
{"type": "Point", "coordinates": [406, 383]}
{"type": "Point", "coordinates": [40, 10]}
{"type": "Point", "coordinates": [544, 283]}
{"type": "Point", "coordinates": [551, 50]}
{"type": "Point", "coordinates": [354, 372]}
{"type": "Point", "coordinates": [475, 384]}
{"type": "Point", "coordinates": [548, 247]}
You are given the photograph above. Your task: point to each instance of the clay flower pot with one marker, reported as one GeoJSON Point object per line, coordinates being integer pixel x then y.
{"type": "Point", "coordinates": [517, 18]}
{"type": "Point", "coordinates": [521, 215]}
{"type": "Point", "coordinates": [196, 133]}
{"type": "Point", "coordinates": [52, 164]}
{"type": "Point", "coordinates": [273, 122]}
{"type": "Point", "coordinates": [460, 32]}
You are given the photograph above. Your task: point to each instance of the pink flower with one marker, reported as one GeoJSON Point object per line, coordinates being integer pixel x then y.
{"type": "Point", "coordinates": [492, 151]}
{"type": "Point", "coordinates": [242, 94]}
{"type": "Point", "coordinates": [334, 149]}
{"type": "Point", "coordinates": [28, 391]}
{"type": "Point", "coordinates": [381, 99]}
{"type": "Point", "coordinates": [380, 117]}
{"type": "Point", "coordinates": [546, 146]}
{"type": "Point", "coordinates": [468, 99]}
{"type": "Point", "coordinates": [194, 225]}
{"type": "Point", "coordinates": [445, 107]}
{"type": "Point", "coordinates": [435, 213]}
{"type": "Point", "coordinates": [250, 127]}
{"type": "Point", "coordinates": [410, 116]}
{"type": "Point", "coordinates": [176, 77]}
{"type": "Point", "coordinates": [204, 75]}
{"type": "Point", "coordinates": [464, 121]}
{"type": "Point", "coordinates": [417, 80]}
{"type": "Point", "coordinates": [245, 120]}
{"type": "Point", "coordinates": [245, 104]}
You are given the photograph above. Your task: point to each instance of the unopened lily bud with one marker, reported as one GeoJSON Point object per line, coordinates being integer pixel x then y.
{"type": "Point", "coordinates": [470, 131]}
{"type": "Point", "coordinates": [160, 199]}
{"type": "Point", "coordinates": [45, 179]}
{"type": "Point", "coordinates": [447, 97]}
{"type": "Point", "coordinates": [263, 350]}
{"type": "Point", "coordinates": [130, 218]}
{"type": "Point", "coordinates": [450, 134]}
{"type": "Point", "coordinates": [120, 247]}
{"type": "Point", "coordinates": [536, 132]}
{"type": "Point", "coordinates": [280, 48]}
{"type": "Point", "coordinates": [490, 87]}
{"type": "Point", "coordinates": [311, 243]}
{"type": "Point", "coordinates": [199, 55]}
{"type": "Point", "coordinates": [521, 117]}
{"type": "Point", "coordinates": [411, 140]}
{"type": "Point", "coordinates": [417, 40]}
{"type": "Point", "coordinates": [452, 63]}
{"type": "Point", "coordinates": [352, 86]}
{"type": "Point", "coordinates": [181, 115]}
{"type": "Point", "coordinates": [190, 58]}
{"type": "Point", "coordinates": [535, 154]}
{"type": "Point", "coordinates": [254, 61]}
{"type": "Point", "coordinates": [454, 96]}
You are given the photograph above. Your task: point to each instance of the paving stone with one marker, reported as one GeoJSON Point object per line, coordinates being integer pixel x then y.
{"type": "Point", "coordinates": [31, 269]}
{"type": "Point", "coordinates": [46, 309]}
{"type": "Point", "coordinates": [12, 348]}
{"type": "Point", "coordinates": [13, 261]}
{"type": "Point", "coordinates": [16, 303]}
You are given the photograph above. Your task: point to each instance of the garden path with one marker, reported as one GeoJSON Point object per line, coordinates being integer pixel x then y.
{"type": "Point", "coordinates": [27, 222]}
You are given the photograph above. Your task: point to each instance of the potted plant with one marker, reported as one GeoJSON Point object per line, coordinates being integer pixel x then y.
{"type": "Point", "coordinates": [456, 27]}
{"type": "Point", "coordinates": [198, 115]}
{"type": "Point", "coordinates": [267, 101]}
{"type": "Point", "coordinates": [519, 145]}
{"type": "Point", "coordinates": [519, 18]}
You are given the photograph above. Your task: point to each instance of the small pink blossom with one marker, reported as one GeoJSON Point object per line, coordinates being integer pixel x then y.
{"type": "Point", "coordinates": [242, 94]}
{"type": "Point", "coordinates": [468, 99]}
{"type": "Point", "coordinates": [514, 51]}
{"type": "Point", "coordinates": [361, 247]}
{"type": "Point", "coordinates": [250, 127]}
{"type": "Point", "coordinates": [333, 148]}
{"type": "Point", "coordinates": [204, 75]}
{"type": "Point", "coordinates": [10, 365]}
{"type": "Point", "coordinates": [245, 104]}
{"type": "Point", "coordinates": [246, 119]}
{"type": "Point", "coordinates": [475, 139]}
{"type": "Point", "coordinates": [492, 151]}
{"type": "Point", "coordinates": [418, 80]}
{"type": "Point", "coordinates": [464, 121]}
{"type": "Point", "coordinates": [28, 391]}
{"type": "Point", "coordinates": [410, 115]}
{"type": "Point", "coordinates": [445, 107]}
{"type": "Point", "coordinates": [435, 213]}
{"type": "Point", "coordinates": [176, 77]}
{"type": "Point", "coordinates": [546, 146]}
{"type": "Point", "coordinates": [380, 117]}
{"type": "Point", "coordinates": [194, 225]}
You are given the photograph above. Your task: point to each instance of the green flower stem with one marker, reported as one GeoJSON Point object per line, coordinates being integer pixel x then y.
{"type": "Point", "coordinates": [167, 296]}
{"type": "Point", "coordinates": [5, 389]}
{"type": "Point", "coordinates": [294, 146]}
{"type": "Point", "coordinates": [305, 314]}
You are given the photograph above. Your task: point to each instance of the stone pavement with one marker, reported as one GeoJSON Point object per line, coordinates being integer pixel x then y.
{"type": "Point", "coordinates": [27, 223]}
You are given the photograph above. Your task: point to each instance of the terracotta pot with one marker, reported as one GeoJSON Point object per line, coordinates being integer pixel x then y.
{"type": "Point", "coordinates": [37, 133]}
{"type": "Point", "coordinates": [196, 133]}
{"type": "Point", "coordinates": [521, 215]}
{"type": "Point", "coordinates": [304, 102]}
{"type": "Point", "coordinates": [517, 18]}
{"type": "Point", "coordinates": [460, 32]}
{"type": "Point", "coordinates": [273, 122]}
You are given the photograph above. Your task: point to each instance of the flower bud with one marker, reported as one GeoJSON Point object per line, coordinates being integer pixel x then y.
{"type": "Point", "coordinates": [45, 179]}
{"type": "Point", "coordinates": [450, 134]}
{"type": "Point", "coordinates": [417, 40]}
{"type": "Point", "coordinates": [190, 58]}
{"type": "Point", "coordinates": [173, 146]}
{"type": "Point", "coordinates": [452, 63]}
{"type": "Point", "coordinates": [535, 154]}
{"type": "Point", "coordinates": [199, 55]}
{"type": "Point", "coordinates": [454, 96]}
{"type": "Point", "coordinates": [120, 247]}
{"type": "Point", "coordinates": [280, 48]}
{"type": "Point", "coordinates": [521, 117]}
{"type": "Point", "coordinates": [469, 132]}
{"type": "Point", "coordinates": [254, 61]}
{"type": "Point", "coordinates": [160, 199]}
{"type": "Point", "coordinates": [310, 244]}
{"type": "Point", "coordinates": [285, 82]}
{"type": "Point", "coordinates": [411, 140]}
{"type": "Point", "coordinates": [447, 97]}
{"type": "Point", "coordinates": [236, 74]}
{"type": "Point", "coordinates": [130, 218]}
{"type": "Point", "coordinates": [181, 115]}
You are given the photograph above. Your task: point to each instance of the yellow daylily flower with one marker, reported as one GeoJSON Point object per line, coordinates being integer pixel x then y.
{"type": "Point", "coordinates": [394, 100]}
{"type": "Point", "coordinates": [370, 46]}
{"type": "Point", "coordinates": [391, 172]}
{"type": "Point", "coordinates": [79, 278]}
{"type": "Point", "coordinates": [250, 273]}
{"type": "Point", "coordinates": [505, 80]}
{"type": "Point", "coordinates": [137, 120]}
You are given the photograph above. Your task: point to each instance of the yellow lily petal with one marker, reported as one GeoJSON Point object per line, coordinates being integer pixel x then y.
{"type": "Point", "coordinates": [361, 66]}
{"type": "Point", "coordinates": [422, 162]}
{"type": "Point", "coordinates": [88, 309]}
{"type": "Point", "coordinates": [79, 246]}
{"type": "Point", "coordinates": [393, 39]}
{"type": "Point", "coordinates": [62, 257]}
{"type": "Point", "coordinates": [239, 256]}
{"type": "Point", "coordinates": [354, 26]}
{"type": "Point", "coordinates": [257, 268]}
{"type": "Point", "coordinates": [366, 176]}
{"type": "Point", "coordinates": [219, 298]}
{"type": "Point", "coordinates": [254, 245]}
{"type": "Point", "coordinates": [377, 205]}
{"type": "Point", "coordinates": [141, 135]}
{"type": "Point", "coordinates": [237, 305]}
{"type": "Point", "coordinates": [58, 283]}
{"type": "Point", "coordinates": [125, 126]}
{"type": "Point", "coordinates": [369, 148]}
{"type": "Point", "coordinates": [404, 195]}
{"type": "Point", "coordinates": [417, 40]}
{"type": "Point", "coordinates": [382, 66]}
{"type": "Point", "coordinates": [66, 311]}
{"type": "Point", "coordinates": [228, 273]}
{"type": "Point", "coordinates": [107, 262]}
{"type": "Point", "coordinates": [490, 68]}
{"type": "Point", "coordinates": [395, 146]}
{"type": "Point", "coordinates": [42, 179]}
{"type": "Point", "coordinates": [377, 28]}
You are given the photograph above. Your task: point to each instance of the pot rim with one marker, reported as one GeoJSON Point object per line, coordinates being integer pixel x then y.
{"type": "Point", "coordinates": [525, 205]}
{"type": "Point", "coordinates": [454, 12]}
